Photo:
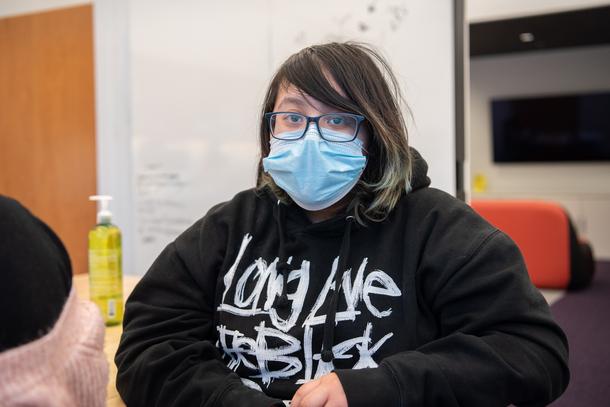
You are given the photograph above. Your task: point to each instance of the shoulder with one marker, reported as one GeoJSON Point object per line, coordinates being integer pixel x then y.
{"type": "Point", "coordinates": [243, 207]}
{"type": "Point", "coordinates": [448, 238]}
{"type": "Point", "coordinates": [244, 204]}
{"type": "Point", "coordinates": [437, 205]}
{"type": "Point", "coordinates": [211, 233]}
{"type": "Point", "coordinates": [443, 223]}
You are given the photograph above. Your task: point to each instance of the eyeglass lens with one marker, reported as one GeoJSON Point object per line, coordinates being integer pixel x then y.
{"type": "Point", "coordinates": [333, 127]}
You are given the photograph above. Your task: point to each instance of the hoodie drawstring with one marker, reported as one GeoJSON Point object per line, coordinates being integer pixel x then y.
{"type": "Point", "coordinates": [329, 324]}
{"type": "Point", "coordinates": [285, 268]}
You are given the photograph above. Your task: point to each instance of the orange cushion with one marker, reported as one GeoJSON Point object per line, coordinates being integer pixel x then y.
{"type": "Point", "coordinates": [541, 231]}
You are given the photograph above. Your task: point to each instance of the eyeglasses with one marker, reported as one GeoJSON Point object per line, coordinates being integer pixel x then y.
{"type": "Point", "coordinates": [335, 127]}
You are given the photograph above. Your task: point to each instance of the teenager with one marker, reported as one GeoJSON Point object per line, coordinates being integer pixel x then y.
{"type": "Point", "coordinates": [342, 278]}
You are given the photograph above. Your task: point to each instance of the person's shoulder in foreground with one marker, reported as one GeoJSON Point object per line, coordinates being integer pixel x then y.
{"type": "Point", "coordinates": [51, 343]}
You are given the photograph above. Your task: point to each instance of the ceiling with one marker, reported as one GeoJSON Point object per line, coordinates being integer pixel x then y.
{"type": "Point", "coordinates": [577, 28]}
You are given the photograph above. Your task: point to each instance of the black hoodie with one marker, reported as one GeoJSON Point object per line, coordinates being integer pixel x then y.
{"type": "Point", "coordinates": [434, 307]}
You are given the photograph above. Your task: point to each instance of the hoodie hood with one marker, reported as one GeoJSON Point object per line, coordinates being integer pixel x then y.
{"type": "Point", "coordinates": [419, 171]}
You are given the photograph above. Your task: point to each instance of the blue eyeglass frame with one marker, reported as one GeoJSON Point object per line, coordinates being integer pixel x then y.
{"type": "Point", "coordinates": [316, 120]}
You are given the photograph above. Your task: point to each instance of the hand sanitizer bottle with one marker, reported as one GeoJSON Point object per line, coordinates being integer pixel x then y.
{"type": "Point", "coordinates": [105, 274]}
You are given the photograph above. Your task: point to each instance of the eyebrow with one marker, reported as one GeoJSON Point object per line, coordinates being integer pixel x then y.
{"type": "Point", "coordinates": [292, 100]}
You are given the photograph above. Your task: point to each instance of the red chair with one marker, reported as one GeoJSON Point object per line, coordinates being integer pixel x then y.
{"type": "Point", "coordinates": [554, 256]}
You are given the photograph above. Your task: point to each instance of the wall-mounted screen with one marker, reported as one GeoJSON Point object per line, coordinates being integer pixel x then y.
{"type": "Point", "coordinates": [573, 127]}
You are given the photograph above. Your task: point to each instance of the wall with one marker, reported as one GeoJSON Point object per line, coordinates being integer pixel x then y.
{"type": "Point", "coordinates": [199, 72]}
{"type": "Point", "coordinates": [584, 189]}
{"type": "Point", "coordinates": [113, 118]}
{"type": "Point", "coordinates": [170, 77]}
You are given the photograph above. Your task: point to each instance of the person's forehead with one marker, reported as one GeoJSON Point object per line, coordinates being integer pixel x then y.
{"type": "Point", "coordinates": [289, 94]}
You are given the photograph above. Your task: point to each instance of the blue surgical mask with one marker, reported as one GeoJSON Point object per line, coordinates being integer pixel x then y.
{"type": "Point", "coordinates": [315, 173]}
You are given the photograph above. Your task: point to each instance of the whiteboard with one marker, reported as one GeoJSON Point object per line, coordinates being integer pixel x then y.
{"type": "Point", "coordinates": [199, 71]}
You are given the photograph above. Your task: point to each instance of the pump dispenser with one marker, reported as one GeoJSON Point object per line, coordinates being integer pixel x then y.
{"type": "Point", "coordinates": [105, 272]}
{"type": "Point", "coordinates": [104, 216]}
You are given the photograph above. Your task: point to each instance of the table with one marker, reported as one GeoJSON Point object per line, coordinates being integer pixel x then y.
{"type": "Point", "coordinates": [113, 334]}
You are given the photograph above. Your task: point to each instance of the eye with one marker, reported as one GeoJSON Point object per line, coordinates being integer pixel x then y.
{"type": "Point", "coordinates": [335, 120]}
{"type": "Point", "coordinates": [293, 118]}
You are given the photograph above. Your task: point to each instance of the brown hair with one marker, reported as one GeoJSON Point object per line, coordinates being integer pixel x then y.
{"type": "Point", "coordinates": [373, 92]}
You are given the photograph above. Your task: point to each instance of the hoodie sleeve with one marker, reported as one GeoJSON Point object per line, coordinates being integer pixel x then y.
{"type": "Point", "coordinates": [167, 354]}
{"type": "Point", "coordinates": [497, 342]}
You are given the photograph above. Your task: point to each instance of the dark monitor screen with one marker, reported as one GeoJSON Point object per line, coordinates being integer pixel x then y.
{"type": "Point", "coordinates": [557, 128]}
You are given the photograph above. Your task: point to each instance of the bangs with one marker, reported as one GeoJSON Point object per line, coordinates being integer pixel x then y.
{"type": "Point", "coordinates": [309, 73]}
